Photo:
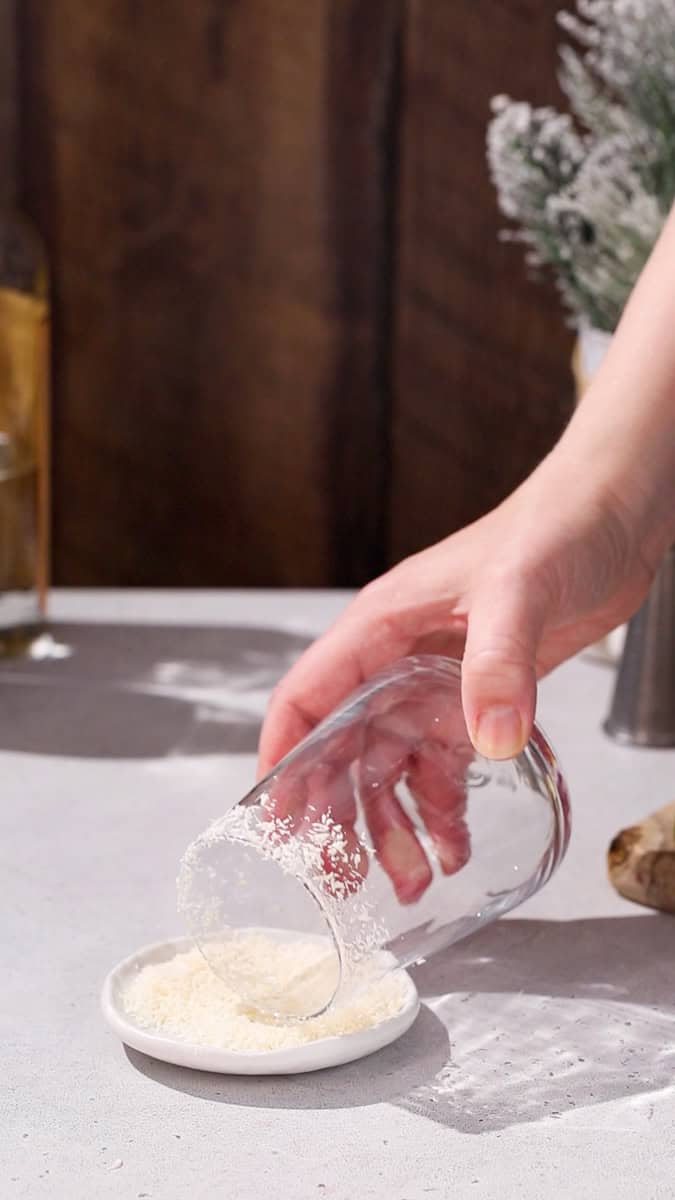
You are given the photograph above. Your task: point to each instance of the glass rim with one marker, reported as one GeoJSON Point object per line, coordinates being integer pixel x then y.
{"type": "Point", "coordinates": [538, 757]}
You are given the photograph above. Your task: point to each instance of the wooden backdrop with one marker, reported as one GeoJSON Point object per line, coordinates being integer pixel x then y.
{"type": "Point", "coordinates": [288, 348]}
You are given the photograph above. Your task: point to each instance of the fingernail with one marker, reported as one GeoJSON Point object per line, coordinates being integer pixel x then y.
{"type": "Point", "coordinates": [454, 849]}
{"type": "Point", "coordinates": [410, 887]}
{"type": "Point", "coordinates": [405, 862]}
{"type": "Point", "coordinates": [499, 732]}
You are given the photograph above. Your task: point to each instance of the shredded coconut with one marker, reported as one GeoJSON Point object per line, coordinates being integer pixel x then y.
{"type": "Point", "coordinates": [184, 999]}
{"type": "Point", "coordinates": [321, 857]}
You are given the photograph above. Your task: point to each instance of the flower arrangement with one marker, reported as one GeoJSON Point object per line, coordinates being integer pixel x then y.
{"type": "Point", "coordinates": [590, 189]}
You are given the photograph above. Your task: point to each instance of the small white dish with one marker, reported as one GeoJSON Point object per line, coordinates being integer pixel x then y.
{"type": "Point", "coordinates": [310, 1056]}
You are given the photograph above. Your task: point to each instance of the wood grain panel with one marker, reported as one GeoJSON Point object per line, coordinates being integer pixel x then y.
{"type": "Point", "coordinates": [481, 381]}
{"type": "Point", "coordinates": [8, 99]}
{"type": "Point", "coordinates": [207, 178]}
{"type": "Point", "coordinates": [362, 117]}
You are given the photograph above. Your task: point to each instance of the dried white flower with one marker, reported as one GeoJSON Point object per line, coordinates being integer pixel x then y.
{"type": "Point", "coordinates": [590, 191]}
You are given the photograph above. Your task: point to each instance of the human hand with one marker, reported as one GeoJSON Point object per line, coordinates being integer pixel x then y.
{"type": "Point", "coordinates": [565, 559]}
{"type": "Point", "coordinates": [560, 563]}
{"type": "Point", "coordinates": [555, 567]}
{"type": "Point", "coordinates": [409, 735]}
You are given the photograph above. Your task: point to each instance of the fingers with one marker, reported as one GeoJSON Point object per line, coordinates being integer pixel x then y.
{"type": "Point", "coordinates": [303, 797]}
{"type": "Point", "coordinates": [309, 792]}
{"type": "Point", "coordinates": [382, 764]}
{"type": "Point", "coordinates": [440, 797]}
{"type": "Point", "coordinates": [285, 724]}
{"type": "Point", "coordinates": [434, 775]}
{"type": "Point", "coordinates": [305, 781]}
{"type": "Point", "coordinates": [409, 607]}
{"type": "Point", "coordinates": [286, 800]}
{"type": "Point", "coordinates": [327, 672]}
{"type": "Point", "coordinates": [499, 677]}
{"type": "Point", "coordinates": [423, 740]}
{"type": "Point", "coordinates": [425, 713]}
{"type": "Point", "coordinates": [399, 852]}
{"type": "Point", "coordinates": [333, 667]}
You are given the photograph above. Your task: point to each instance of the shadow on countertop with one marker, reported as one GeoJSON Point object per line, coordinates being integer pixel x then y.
{"type": "Point", "coordinates": [551, 1016]}
{"type": "Point", "coordinates": [387, 1075]}
{"type": "Point", "coordinates": [143, 691]}
{"type": "Point", "coordinates": [545, 1017]}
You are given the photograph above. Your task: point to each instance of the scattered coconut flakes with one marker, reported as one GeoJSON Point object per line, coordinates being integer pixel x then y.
{"type": "Point", "coordinates": [184, 999]}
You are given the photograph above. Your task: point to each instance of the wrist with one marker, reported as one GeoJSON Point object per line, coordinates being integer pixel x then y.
{"type": "Point", "coordinates": [627, 469]}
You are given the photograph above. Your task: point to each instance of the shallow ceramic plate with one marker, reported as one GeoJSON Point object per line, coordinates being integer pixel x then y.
{"type": "Point", "coordinates": [311, 1056]}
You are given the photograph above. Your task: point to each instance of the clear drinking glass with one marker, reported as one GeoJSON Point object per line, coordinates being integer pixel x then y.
{"type": "Point", "coordinates": [383, 835]}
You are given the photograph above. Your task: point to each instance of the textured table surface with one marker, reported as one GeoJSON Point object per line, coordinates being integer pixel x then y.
{"type": "Point", "coordinates": [543, 1062]}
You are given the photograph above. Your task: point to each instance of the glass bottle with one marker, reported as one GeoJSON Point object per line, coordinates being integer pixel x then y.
{"type": "Point", "coordinates": [24, 434]}
{"type": "Point", "coordinates": [384, 834]}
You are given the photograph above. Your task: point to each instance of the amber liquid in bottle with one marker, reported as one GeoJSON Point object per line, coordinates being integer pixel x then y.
{"type": "Point", "coordinates": [24, 450]}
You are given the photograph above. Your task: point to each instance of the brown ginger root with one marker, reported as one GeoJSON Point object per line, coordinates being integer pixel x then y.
{"type": "Point", "coordinates": [641, 860]}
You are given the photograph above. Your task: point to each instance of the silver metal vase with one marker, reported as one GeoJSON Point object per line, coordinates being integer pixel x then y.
{"type": "Point", "coordinates": [643, 707]}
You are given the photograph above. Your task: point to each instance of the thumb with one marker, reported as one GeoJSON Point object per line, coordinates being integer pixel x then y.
{"type": "Point", "coordinates": [499, 676]}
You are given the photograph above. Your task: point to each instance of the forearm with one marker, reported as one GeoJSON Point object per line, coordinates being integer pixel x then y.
{"type": "Point", "coordinates": [624, 428]}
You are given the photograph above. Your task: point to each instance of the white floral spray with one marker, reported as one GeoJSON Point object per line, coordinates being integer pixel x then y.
{"type": "Point", "coordinates": [589, 191]}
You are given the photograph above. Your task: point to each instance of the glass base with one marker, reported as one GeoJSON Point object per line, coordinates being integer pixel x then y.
{"type": "Point", "coordinates": [22, 621]}
{"type": "Point", "coordinates": [18, 640]}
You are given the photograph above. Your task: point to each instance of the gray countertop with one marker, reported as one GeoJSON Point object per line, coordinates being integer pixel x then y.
{"type": "Point", "coordinates": [542, 1064]}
